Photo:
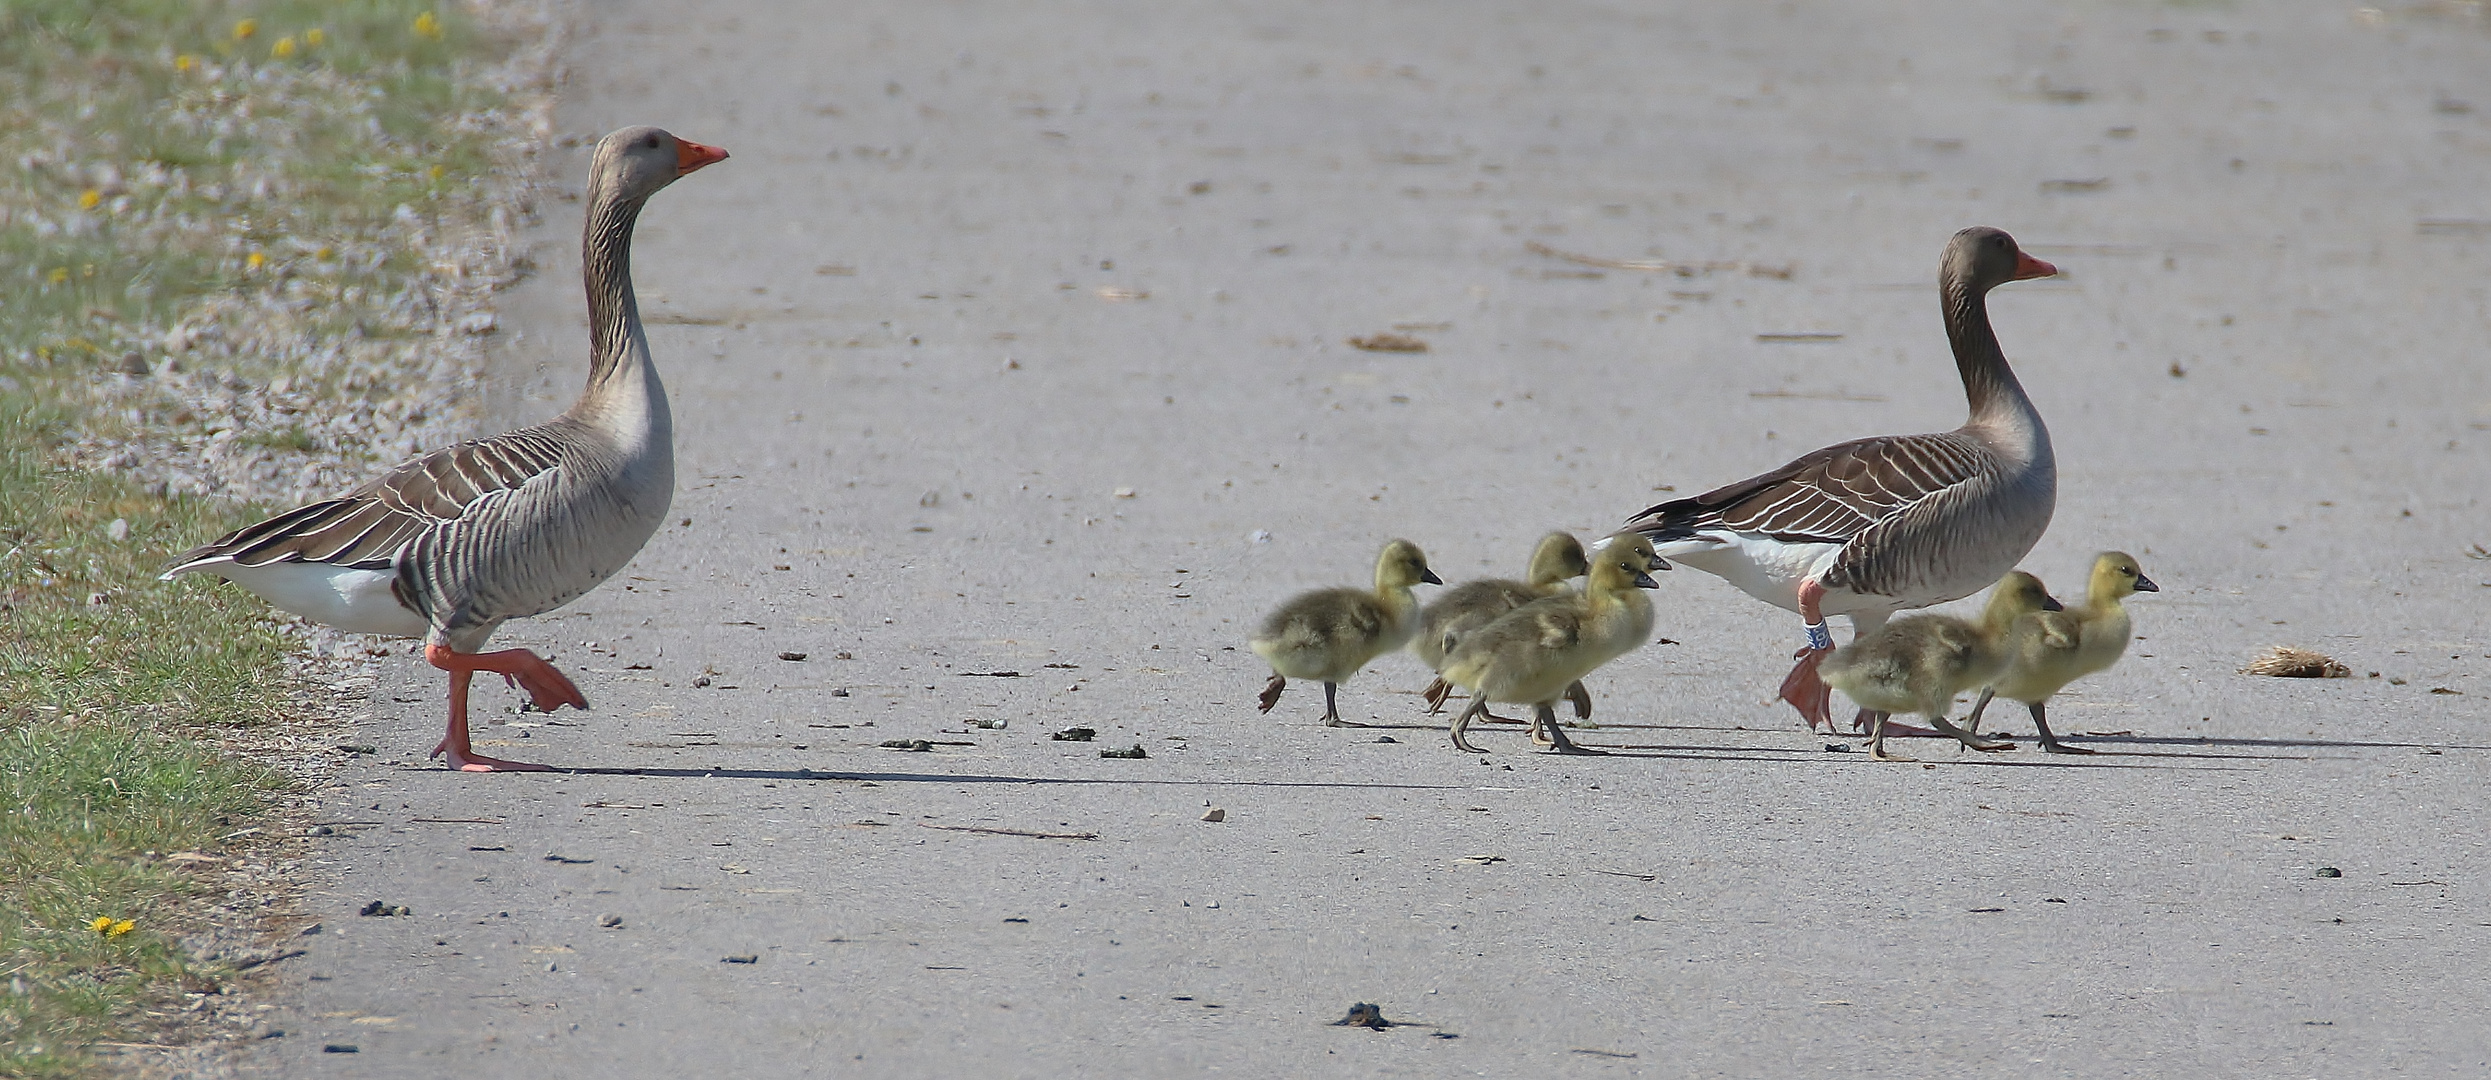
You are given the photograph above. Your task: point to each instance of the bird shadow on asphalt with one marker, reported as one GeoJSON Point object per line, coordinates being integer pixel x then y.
{"type": "Point", "coordinates": [974, 778]}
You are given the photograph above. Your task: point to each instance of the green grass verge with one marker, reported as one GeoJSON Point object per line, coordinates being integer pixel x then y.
{"type": "Point", "coordinates": [157, 156]}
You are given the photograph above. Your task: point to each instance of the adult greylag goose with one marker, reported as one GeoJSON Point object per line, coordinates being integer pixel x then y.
{"type": "Point", "coordinates": [452, 544]}
{"type": "Point", "coordinates": [1532, 654]}
{"type": "Point", "coordinates": [1920, 663]}
{"type": "Point", "coordinates": [1895, 523]}
{"type": "Point", "coordinates": [1329, 634]}
{"type": "Point", "coordinates": [2047, 650]}
{"type": "Point", "coordinates": [1473, 604]}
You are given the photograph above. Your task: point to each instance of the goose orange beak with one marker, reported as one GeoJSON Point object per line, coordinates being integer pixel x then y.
{"type": "Point", "coordinates": [691, 156]}
{"type": "Point", "coordinates": [2026, 267]}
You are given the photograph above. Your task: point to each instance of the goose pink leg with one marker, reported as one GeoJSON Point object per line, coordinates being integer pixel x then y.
{"type": "Point", "coordinates": [1802, 688]}
{"type": "Point", "coordinates": [548, 688]}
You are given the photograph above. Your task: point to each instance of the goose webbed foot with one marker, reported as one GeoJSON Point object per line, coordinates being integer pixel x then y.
{"type": "Point", "coordinates": [454, 743]}
{"type": "Point", "coordinates": [1271, 694]}
{"type": "Point", "coordinates": [1808, 693]}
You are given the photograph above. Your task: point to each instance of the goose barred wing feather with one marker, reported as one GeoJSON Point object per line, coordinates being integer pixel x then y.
{"type": "Point", "coordinates": [366, 528]}
{"type": "Point", "coordinates": [1862, 494]}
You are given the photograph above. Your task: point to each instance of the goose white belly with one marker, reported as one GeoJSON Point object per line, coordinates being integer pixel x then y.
{"type": "Point", "coordinates": [356, 601]}
{"type": "Point", "coordinates": [1771, 570]}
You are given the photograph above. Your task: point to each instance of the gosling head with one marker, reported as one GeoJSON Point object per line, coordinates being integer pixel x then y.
{"type": "Point", "coordinates": [1625, 559]}
{"type": "Point", "coordinates": [2018, 594]}
{"type": "Point", "coordinates": [1640, 542]}
{"type": "Point", "coordinates": [2115, 577]}
{"type": "Point", "coordinates": [638, 161]}
{"type": "Point", "coordinates": [1983, 258]}
{"type": "Point", "coordinates": [1403, 565]}
{"type": "Point", "coordinates": [1559, 556]}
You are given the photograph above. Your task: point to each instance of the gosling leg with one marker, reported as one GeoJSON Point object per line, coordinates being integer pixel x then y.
{"type": "Point", "coordinates": [1581, 699]}
{"type": "Point", "coordinates": [1271, 692]}
{"type": "Point", "coordinates": [2050, 744]}
{"type": "Point", "coordinates": [1967, 738]}
{"type": "Point", "coordinates": [1461, 723]}
{"type": "Point", "coordinates": [1972, 723]}
{"type": "Point", "coordinates": [1558, 743]}
{"type": "Point", "coordinates": [1877, 737]}
{"type": "Point", "coordinates": [1332, 707]}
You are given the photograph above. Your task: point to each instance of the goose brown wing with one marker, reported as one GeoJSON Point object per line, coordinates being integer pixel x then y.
{"type": "Point", "coordinates": [1829, 496]}
{"type": "Point", "coordinates": [366, 527]}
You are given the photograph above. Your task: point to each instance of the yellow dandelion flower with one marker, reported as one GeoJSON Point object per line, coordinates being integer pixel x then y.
{"type": "Point", "coordinates": [283, 49]}
{"type": "Point", "coordinates": [435, 172]}
{"type": "Point", "coordinates": [185, 62]}
{"type": "Point", "coordinates": [256, 260]}
{"type": "Point", "coordinates": [244, 29]}
{"type": "Point", "coordinates": [88, 199]}
{"type": "Point", "coordinates": [428, 25]}
{"type": "Point", "coordinates": [324, 252]}
{"type": "Point", "coordinates": [59, 274]}
{"type": "Point", "coordinates": [121, 927]}
{"type": "Point", "coordinates": [314, 38]}
{"type": "Point", "coordinates": [101, 925]}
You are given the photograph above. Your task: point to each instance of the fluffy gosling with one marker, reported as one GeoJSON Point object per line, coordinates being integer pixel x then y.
{"type": "Point", "coordinates": [1919, 664]}
{"type": "Point", "coordinates": [1329, 634]}
{"type": "Point", "coordinates": [1530, 655]}
{"type": "Point", "coordinates": [1472, 604]}
{"type": "Point", "coordinates": [2046, 650]}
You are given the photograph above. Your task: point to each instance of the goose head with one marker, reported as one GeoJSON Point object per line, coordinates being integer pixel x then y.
{"type": "Point", "coordinates": [633, 163]}
{"type": "Point", "coordinates": [1559, 556]}
{"type": "Point", "coordinates": [2018, 594]}
{"type": "Point", "coordinates": [1403, 565]}
{"type": "Point", "coordinates": [2116, 577]}
{"type": "Point", "coordinates": [1983, 258]}
{"type": "Point", "coordinates": [1623, 560]}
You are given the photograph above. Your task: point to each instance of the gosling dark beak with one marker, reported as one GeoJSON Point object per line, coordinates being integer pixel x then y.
{"type": "Point", "coordinates": [2051, 603]}
{"type": "Point", "coordinates": [1428, 577]}
{"type": "Point", "coordinates": [1659, 563]}
{"type": "Point", "coordinates": [1644, 581]}
{"type": "Point", "coordinates": [2146, 584]}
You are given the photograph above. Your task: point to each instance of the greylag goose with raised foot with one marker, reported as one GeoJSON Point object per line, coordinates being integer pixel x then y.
{"type": "Point", "coordinates": [1874, 526]}
{"type": "Point", "coordinates": [449, 546]}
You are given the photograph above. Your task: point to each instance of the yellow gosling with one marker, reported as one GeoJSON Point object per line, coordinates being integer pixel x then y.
{"type": "Point", "coordinates": [2046, 650]}
{"type": "Point", "coordinates": [1919, 664]}
{"type": "Point", "coordinates": [1329, 634]}
{"type": "Point", "coordinates": [1473, 604]}
{"type": "Point", "coordinates": [1530, 655]}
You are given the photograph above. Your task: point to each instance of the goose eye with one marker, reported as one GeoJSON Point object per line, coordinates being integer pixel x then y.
{"type": "Point", "coordinates": [652, 144]}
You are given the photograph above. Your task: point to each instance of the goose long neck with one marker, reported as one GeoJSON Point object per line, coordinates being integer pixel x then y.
{"type": "Point", "coordinates": [605, 269]}
{"type": "Point", "coordinates": [1988, 384]}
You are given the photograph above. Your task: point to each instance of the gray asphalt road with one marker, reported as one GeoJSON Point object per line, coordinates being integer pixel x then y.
{"type": "Point", "coordinates": [1013, 340]}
